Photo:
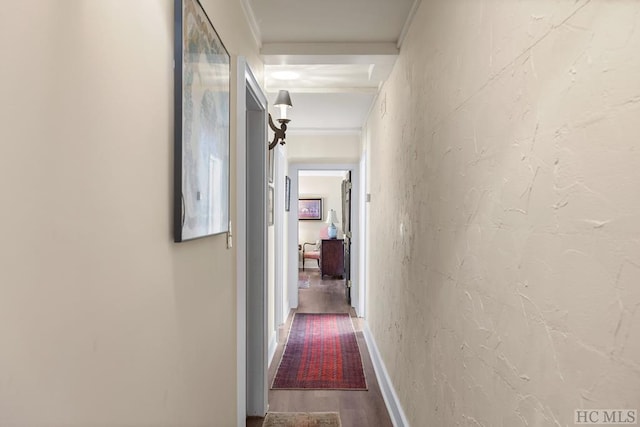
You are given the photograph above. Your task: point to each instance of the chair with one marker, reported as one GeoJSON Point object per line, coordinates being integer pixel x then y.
{"type": "Point", "coordinates": [312, 253]}
{"type": "Point", "coordinates": [314, 248]}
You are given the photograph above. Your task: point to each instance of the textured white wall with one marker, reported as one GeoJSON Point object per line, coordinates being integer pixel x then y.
{"type": "Point", "coordinates": [505, 212]}
{"type": "Point", "coordinates": [104, 320]}
{"type": "Point", "coordinates": [287, 249]}
{"type": "Point", "coordinates": [322, 148]}
{"type": "Point", "coordinates": [271, 280]}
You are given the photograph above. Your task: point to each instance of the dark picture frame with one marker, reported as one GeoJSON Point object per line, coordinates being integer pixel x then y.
{"type": "Point", "coordinates": [287, 193]}
{"type": "Point", "coordinates": [310, 209]}
{"type": "Point", "coordinates": [202, 87]}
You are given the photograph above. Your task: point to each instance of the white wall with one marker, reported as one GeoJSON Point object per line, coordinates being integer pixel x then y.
{"type": "Point", "coordinates": [271, 279]}
{"type": "Point", "coordinates": [105, 321]}
{"type": "Point", "coordinates": [287, 249]}
{"type": "Point", "coordinates": [276, 248]}
{"type": "Point", "coordinates": [505, 212]}
{"type": "Point", "coordinates": [330, 148]}
{"type": "Point", "coordinates": [329, 189]}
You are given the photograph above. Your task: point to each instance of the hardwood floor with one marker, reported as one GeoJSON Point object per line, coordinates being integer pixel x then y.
{"type": "Point", "coordinates": [357, 408]}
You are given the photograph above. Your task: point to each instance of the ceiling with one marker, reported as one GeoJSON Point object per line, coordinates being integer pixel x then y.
{"type": "Point", "coordinates": [323, 173]}
{"type": "Point", "coordinates": [332, 55]}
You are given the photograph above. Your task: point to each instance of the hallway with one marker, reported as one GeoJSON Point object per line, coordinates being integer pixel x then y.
{"type": "Point", "coordinates": [498, 249]}
{"type": "Point", "coordinates": [357, 408]}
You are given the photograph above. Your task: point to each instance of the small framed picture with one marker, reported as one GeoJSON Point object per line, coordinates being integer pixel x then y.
{"type": "Point", "coordinates": [310, 209]}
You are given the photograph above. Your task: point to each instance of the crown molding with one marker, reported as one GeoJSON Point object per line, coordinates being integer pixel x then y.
{"type": "Point", "coordinates": [252, 21]}
{"type": "Point", "coordinates": [407, 23]}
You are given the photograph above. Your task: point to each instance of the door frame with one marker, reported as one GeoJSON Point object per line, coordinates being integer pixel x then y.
{"type": "Point", "coordinates": [252, 391]}
{"type": "Point", "coordinates": [279, 314]}
{"type": "Point", "coordinates": [357, 261]}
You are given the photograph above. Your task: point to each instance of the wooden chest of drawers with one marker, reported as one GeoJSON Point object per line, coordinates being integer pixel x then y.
{"type": "Point", "coordinates": [332, 258]}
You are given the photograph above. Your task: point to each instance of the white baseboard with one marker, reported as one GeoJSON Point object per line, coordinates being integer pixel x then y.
{"type": "Point", "coordinates": [398, 418]}
{"type": "Point", "coordinates": [273, 344]}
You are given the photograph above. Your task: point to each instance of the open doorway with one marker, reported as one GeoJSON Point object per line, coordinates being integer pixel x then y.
{"type": "Point", "coordinates": [299, 234]}
{"type": "Point", "coordinates": [323, 228]}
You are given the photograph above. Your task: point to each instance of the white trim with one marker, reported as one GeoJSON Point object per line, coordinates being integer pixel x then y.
{"type": "Point", "coordinates": [407, 23]}
{"type": "Point", "coordinates": [245, 83]}
{"type": "Point", "coordinates": [278, 232]}
{"type": "Point", "coordinates": [356, 252]}
{"type": "Point", "coordinates": [398, 417]}
{"type": "Point", "coordinates": [240, 242]}
{"type": "Point", "coordinates": [273, 345]}
{"type": "Point", "coordinates": [292, 237]}
{"type": "Point", "coordinates": [362, 279]}
{"type": "Point", "coordinates": [252, 21]}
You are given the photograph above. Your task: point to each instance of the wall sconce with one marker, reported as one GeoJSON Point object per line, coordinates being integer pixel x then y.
{"type": "Point", "coordinates": [283, 102]}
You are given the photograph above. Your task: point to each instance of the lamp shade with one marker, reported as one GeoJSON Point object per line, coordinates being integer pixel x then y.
{"type": "Point", "coordinates": [332, 218]}
{"type": "Point", "coordinates": [283, 99]}
{"type": "Point", "coordinates": [283, 103]}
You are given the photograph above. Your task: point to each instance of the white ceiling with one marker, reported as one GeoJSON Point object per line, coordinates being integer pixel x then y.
{"type": "Point", "coordinates": [323, 173]}
{"type": "Point", "coordinates": [339, 53]}
{"type": "Point", "coordinates": [337, 21]}
{"type": "Point", "coordinates": [317, 112]}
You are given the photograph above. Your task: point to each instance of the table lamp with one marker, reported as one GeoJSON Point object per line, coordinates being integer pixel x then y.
{"type": "Point", "coordinates": [332, 219]}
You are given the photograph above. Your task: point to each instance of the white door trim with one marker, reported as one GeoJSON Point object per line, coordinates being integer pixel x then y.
{"type": "Point", "coordinates": [247, 84]}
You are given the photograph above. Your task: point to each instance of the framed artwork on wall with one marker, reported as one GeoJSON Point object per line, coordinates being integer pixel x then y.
{"type": "Point", "coordinates": [310, 209]}
{"type": "Point", "coordinates": [287, 194]}
{"type": "Point", "coordinates": [201, 125]}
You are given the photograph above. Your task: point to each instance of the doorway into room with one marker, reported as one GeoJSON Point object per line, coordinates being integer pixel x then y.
{"type": "Point", "coordinates": [324, 228]}
{"type": "Point", "coordinates": [307, 183]}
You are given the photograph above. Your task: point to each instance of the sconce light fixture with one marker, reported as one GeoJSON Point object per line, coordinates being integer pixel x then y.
{"type": "Point", "coordinates": [283, 102]}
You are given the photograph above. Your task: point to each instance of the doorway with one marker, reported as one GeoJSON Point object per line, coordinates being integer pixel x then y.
{"type": "Point", "coordinates": [322, 218]}
{"type": "Point", "coordinates": [295, 239]}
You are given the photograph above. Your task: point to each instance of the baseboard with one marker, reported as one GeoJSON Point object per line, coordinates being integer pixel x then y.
{"type": "Point", "coordinates": [398, 418]}
{"type": "Point", "coordinates": [273, 344]}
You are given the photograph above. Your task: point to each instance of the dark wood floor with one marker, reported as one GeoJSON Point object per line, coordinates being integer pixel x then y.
{"type": "Point", "coordinates": [357, 408]}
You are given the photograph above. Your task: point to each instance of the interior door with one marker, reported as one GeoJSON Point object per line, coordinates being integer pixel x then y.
{"type": "Point", "coordinates": [346, 227]}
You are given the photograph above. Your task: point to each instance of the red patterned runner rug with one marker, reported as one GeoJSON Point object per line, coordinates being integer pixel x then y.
{"type": "Point", "coordinates": [321, 353]}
